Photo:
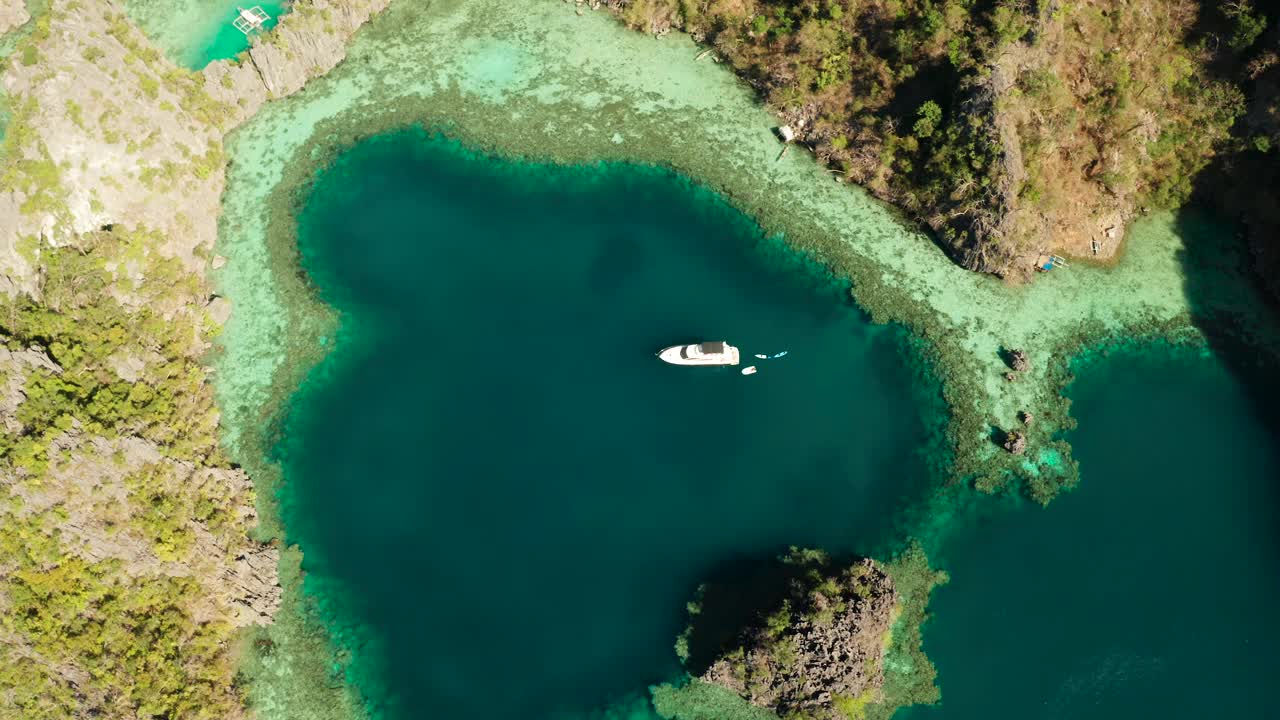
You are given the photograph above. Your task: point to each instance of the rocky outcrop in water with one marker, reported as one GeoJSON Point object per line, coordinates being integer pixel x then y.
{"type": "Point", "coordinates": [1019, 361]}
{"type": "Point", "coordinates": [818, 647]}
{"type": "Point", "coordinates": [1015, 442]}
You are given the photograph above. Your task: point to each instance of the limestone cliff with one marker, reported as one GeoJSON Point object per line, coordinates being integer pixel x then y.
{"type": "Point", "coordinates": [304, 45]}
{"type": "Point", "coordinates": [1254, 188]}
{"type": "Point", "coordinates": [1010, 129]}
{"type": "Point", "coordinates": [1103, 111]}
{"type": "Point", "coordinates": [12, 14]}
{"type": "Point", "coordinates": [104, 131]}
{"type": "Point", "coordinates": [803, 638]}
{"type": "Point", "coordinates": [125, 563]}
{"type": "Point", "coordinates": [1246, 185]}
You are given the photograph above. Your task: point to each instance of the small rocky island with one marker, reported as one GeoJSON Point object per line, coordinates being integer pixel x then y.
{"type": "Point", "coordinates": [805, 638]}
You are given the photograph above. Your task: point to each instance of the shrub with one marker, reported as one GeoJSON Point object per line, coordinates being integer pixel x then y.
{"type": "Point", "coordinates": [1247, 24]}
{"type": "Point", "coordinates": [929, 117]}
{"type": "Point", "coordinates": [135, 635]}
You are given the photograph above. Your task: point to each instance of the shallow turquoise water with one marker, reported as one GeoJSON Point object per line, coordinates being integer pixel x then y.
{"type": "Point", "coordinates": [503, 497]}
{"type": "Point", "coordinates": [195, 33]}
{"type": "Point", "coordinates": [1148, 592]}
{"type": "Point", "coordinates": [221, 40]}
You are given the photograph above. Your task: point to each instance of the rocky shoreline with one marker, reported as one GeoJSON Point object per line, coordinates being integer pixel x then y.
{"type": "Point", "coordinates": [823, 646]}
{"type": "Point", "coordinates": [806, 637]}
{"type": "Point", "coordinates": [1042, 104]}
{"type": "Point", "coordinates": [113, 170]}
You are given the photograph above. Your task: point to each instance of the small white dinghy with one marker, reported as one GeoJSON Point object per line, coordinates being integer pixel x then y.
{"type": "Point", "coordinates": [749, 370]}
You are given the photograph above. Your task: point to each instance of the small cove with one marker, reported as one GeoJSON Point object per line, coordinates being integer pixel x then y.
{"type": "Point", "coordinates": [495, 483]}
{"type": "Point", "coordinates": [1147, 591]}
{"type": "Point", "coordinates": [197, 32]}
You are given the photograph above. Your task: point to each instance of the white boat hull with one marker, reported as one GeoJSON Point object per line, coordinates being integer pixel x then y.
{"type": "Point", "coordinates": [695, 355]}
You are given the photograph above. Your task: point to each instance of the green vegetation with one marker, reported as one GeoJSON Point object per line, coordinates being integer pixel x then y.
{"type": "Point", "coordinates": [75, 113]}
{"type": "Point", "coordinates": [29, 168]}
{"type": "Point", "coordinates": [855, 708]}
{"type": "Point", "coordinates": [92, 637]}
{"type": "Point", "coordinates": [104, 643]}
{"type": "Point", "coordinates": [153, 74]}
{"type": "Point", "coordinates": [169, 508]}
{"type": "Point", "coordinates": [122, 516]}
{"type": "Point", "coordinates": [83, 327]}
{"type": "Point", "coordinates": [1150, 121]}
{"type": "Point", "coordinates": [750, 640]}
{"type": "Point", "coordinates": [1247, 23]}
{"type": "Point", "coordinates": [998, 124]}
{"type": "Point", "coordinates": [1246, 184]}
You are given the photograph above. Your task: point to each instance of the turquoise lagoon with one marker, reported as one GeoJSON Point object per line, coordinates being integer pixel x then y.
{"type": "Point", "coordinates": [493, 478]}
{"type": "Point", "coordinates": [505, 500]}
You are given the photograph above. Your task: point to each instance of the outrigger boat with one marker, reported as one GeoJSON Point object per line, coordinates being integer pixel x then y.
{"type": "Point", "coordinates": [707, 353]}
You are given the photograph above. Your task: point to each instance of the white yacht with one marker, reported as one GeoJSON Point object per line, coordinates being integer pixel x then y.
{"type": "Point", "coordinates": [707, 353]}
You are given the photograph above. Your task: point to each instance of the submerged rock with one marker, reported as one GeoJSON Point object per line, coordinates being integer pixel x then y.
{"type": "Point", "coordinates": [819, 647]}
{"type": "Point", "coordinates": [1018, 361]}
{"type": "Point", "coordinates": [1015, 442]}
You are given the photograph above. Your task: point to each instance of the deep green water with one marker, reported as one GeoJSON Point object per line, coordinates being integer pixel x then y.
{"type": "Point", "coordinates": [505, 500]}
{"type": "Point", "coordinates": [1150, 591]}
{"type": "Point", "coordinates": [501, 493]}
